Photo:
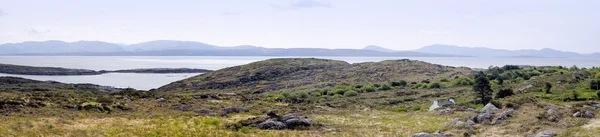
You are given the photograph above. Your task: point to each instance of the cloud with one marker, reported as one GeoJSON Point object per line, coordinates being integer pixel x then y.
{"type": "Point", "coordinates": [33, 31]}
{"type": "Point", "coordinates": [304, 4]}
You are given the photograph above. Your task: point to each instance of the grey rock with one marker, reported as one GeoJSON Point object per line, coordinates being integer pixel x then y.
{"type": "Point", "coordinates": [545, 133]}
{"type": "Point", "coordinates": [230, 110]}
{"type": "Point", "coordinates": [230, 94]}
{"type": "Point", "coordinates": [460, 125]}
{"type": "Point", "coordinates": [551, 111]}
{"type": "Point", "coordinates": [297, 122]}
{"type": "Point", "coordinates": [577, 114]}
{"type": "Point", "coordinates": [481, 117]}
{"type": "Point", "coordinates": [288, 116]}
{"type": "Point", "coordinates": [588, 114]}
{"type": "Point", "coordinates": [203, 111]}
{"type": "Point", "coordinates": [489, 108]}
{"type": "Point", "coordinates": [161, 100]}
{"type": "Point", "coordinates": [422, 135]}
{"type": "Point", "coordinates": [182, 107]}
{"type": "Point", "coordinates": [271, 124]}
{"type": "Point", "coordinates": [438, 134]}
{"type": "Point", "coordinates": [127, 99]}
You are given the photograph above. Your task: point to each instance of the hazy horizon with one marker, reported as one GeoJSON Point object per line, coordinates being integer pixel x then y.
{"type": "Point", "coordinates": [334, 24]}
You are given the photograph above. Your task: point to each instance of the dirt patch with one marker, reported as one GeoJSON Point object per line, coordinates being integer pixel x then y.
{"type": "Point", "coordinates": [594, 123]}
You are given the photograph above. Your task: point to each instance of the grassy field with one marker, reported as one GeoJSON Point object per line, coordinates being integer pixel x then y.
{"type": "Point", "coordinates": [359, 103]}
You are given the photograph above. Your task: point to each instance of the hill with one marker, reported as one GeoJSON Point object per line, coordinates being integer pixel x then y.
{"type": "Point", "coordinates": [377, 48]}
{"type": "Point", "coordinates": [488, 52]}
{"type": "Point", "coordinates": [310, 73]}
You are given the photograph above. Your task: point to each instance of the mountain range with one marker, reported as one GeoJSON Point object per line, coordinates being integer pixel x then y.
{"type": "Point", "coordinates": [191, 48]}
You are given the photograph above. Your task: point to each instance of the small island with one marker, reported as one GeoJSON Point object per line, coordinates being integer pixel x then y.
{"type": "Point", "coordinates": [57, 71]}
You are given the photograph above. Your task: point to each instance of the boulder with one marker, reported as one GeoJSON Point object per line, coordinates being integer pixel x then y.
{"type": "Point", "coordinates": [297, 122]}
{"type": "Point", "coordinates": [588, 114]}
{"type": "Point", "coordinates": [481, 117]}
{"type": "Point", "coordinates": [161, 100]}
{"type": "Point", "coordinates": [551, 111]}
{"type": "Point", "coordinates": [182, 107]}
{"type": "Point", "coordinates": [438, 134]}
{"type": "Point", "coordinates": [271, 124]}
{"type": "Point", "coordinates": [545, 133]}
{"type": "Point", "coordinates": [577, 114]}
{"type": "Point", "coordinates": [127, 100]}
{"type": "Point", "coordinates": [230, 110]}
{"type": "Point", "coordinates": [287, 117]}
{"type": "Point", "coordinates": [422, 135]}
{"type": "Point", "coordinates": [489, 108]}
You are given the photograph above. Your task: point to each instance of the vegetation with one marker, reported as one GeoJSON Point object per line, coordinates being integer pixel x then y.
{"type": "Point", "coordinates": [28, 70]}
{"type": "Point", "coordinates": [365, 99]}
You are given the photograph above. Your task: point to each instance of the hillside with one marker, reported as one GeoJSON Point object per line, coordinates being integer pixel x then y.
{"type": "Point", "coordinates": [307, 73]}
{"type": "Point", "coordinates": [489, 52]}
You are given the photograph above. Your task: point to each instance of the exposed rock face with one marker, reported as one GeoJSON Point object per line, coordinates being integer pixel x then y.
{"type": "Point", "coordinates": [230, 110]}
{"type": "Point", "coordinates": [161, 100]}
{"type": "Point", "coordinates": [489, 108]}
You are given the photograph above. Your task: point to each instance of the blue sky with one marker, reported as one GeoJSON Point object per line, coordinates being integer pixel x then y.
{"type": "Point", "coordinates": [394, 24]}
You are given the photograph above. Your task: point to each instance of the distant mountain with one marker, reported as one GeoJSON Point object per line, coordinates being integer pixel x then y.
{"type": "Point", "coordinates": [488, 52]}
{"type": "Point", "coordinates": [188, 48]}
{"type": "Point", "coordinates": [377, 48]}
{"type": "Point", "coordinates": [58, 47]}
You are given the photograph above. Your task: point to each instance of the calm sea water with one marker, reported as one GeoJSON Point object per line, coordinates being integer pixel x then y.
{"type": "Point", "coordinates": [149, 81]}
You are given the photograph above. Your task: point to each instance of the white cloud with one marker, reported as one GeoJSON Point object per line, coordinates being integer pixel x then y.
{"type": "Point", "coordinates": [304, 4]}
{"type": "Point", "coordinates": [33, 31]}
{"type": "Point", "coordinates": [433, 32]}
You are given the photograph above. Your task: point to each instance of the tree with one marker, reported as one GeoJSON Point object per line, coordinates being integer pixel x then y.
{"type": "Point", "coordinates": [504, 93]}
{"type": "Point", "coordinates": [500, 81]}
{"type": "Point", "coordinates": [595, 84]}
{"type": "Point", "coordinates": [547, 88]}
{"type": "Point", "coordinates": [482, 88]}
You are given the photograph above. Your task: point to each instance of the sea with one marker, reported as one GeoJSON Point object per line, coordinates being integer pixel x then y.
{"type": "Point", "coordinates": [151, 81]}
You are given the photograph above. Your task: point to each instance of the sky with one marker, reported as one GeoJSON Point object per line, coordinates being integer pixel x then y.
{"type": "Point", "coordinates": [394, 24]}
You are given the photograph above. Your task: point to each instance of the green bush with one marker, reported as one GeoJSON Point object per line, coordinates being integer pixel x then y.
{"type": "Point", "coordinates": [598, 94]}
{"type": "Point", "coordinates": [435, 85]}
{"type": "Point", "coordinates": [575, 95]}
{"type": "Point", "coordinates": [463, 81]}
{"type": "Point", "coordinates": [385, 87]}
{"type": "Point", "coordinates": [302, 94]}
{"type": "Point", "coordinates": [369, 89]}
{"type": "Point", "coordinates": [504, 93]}
{"type": "Point", "coordinates": [416, 107]}
{"type": "Point", "coordinates": [400, 109]}
{"type": "Point", "coordinates": [597, 76]}
{"type": "Point", "coordinates": [350, 94]}
{"type": "Point", "coordinates": [595, 84]}
{"type": "Point", "coordinates": [444, 80]}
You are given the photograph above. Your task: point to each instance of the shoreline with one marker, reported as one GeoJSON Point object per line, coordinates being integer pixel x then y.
{"type": "Point", "coordinates": [58, 71]}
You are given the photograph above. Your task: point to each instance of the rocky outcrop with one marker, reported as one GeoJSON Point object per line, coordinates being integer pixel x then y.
{"type": "Point", "coordinates": [482, 117]}
{"type": "Point", "coordinates": [503, 116]}
{"type": "Point", "coordinates": [588, 114]}
{"type": "Point", "coordinates": [551, 111]}
{"type": "Point", "coordinates": [275, 122]}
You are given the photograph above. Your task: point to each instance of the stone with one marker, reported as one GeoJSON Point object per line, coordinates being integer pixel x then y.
{"type": "Point", "coordinates": [422, 135]}
{"type": "Point", "coordinates": [297, 122]}
{"type": "Point", "coordinates": [481, 117]}
{"type": "Point", "coordinates": [438, 134]}
{"type": "Point", "coordinates": [127, 99]}
{"type": "Point", "coordinates": [588, 114]}
{"type": "Point", "coordinates": [577, 114]}
{"type": "Point", "coordinates": [271, 124]}
{"type": "Point", "coordinates": [230, 110]}
{"type": "Point", "coordinates": [489, 108]}
{"type": "Point", "coordinates": [182, 107]}
{"type": "Point", "coordinates": [551, 111]}
{"type": "Point", "coordinates": [161, 100]}
{"type": "Point", "coordinates": [545, 133]}
{"type": "Point", "coordinates": [203, 111]}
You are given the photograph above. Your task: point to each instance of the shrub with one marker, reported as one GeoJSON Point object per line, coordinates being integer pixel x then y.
{"type": "Point", "coordinates": [395, 84]}
{"type": "Point", "coordinates": [336, 96]}
{"type": "Point", "coordinates": [416, 108]}
{"type": "Point", "coordinates": [597, 75]}
{"type": "Point", "coordinates": [403, 83]}
{"type": "Point", "coordinates": [595, 84]}
{"type": "Point", "coordinates": [350, 94]}
{"type": "Point", "coordinates": [505, 93]}
{"type": "Point", "coordinates": [369, 89]}
{"type": "Point", "coordinates": [598, 94]}
{"type": "Point", "coordinates": [547, 88]}
{"type": "Point", "coordinates": [435, 85]}
{"type": "Point", "coordinates": [444, 80]}
{"type": "Point", "coordinates": [575, 95]}
{"type": "Point", "coordinates": [425, 81]}
{"type": "Point", "coordinates": [462, 81]}
{"type": "Point", "coordinates": [400, 109]}
{"type": "Point", "coordinates": [302, 94]}
{"type": "Point", "coordinates": [385, 87]}
{"type": "Point", "coordinates": [104, 100]}
{"type": "Point", "coordinates": [482, 88]}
